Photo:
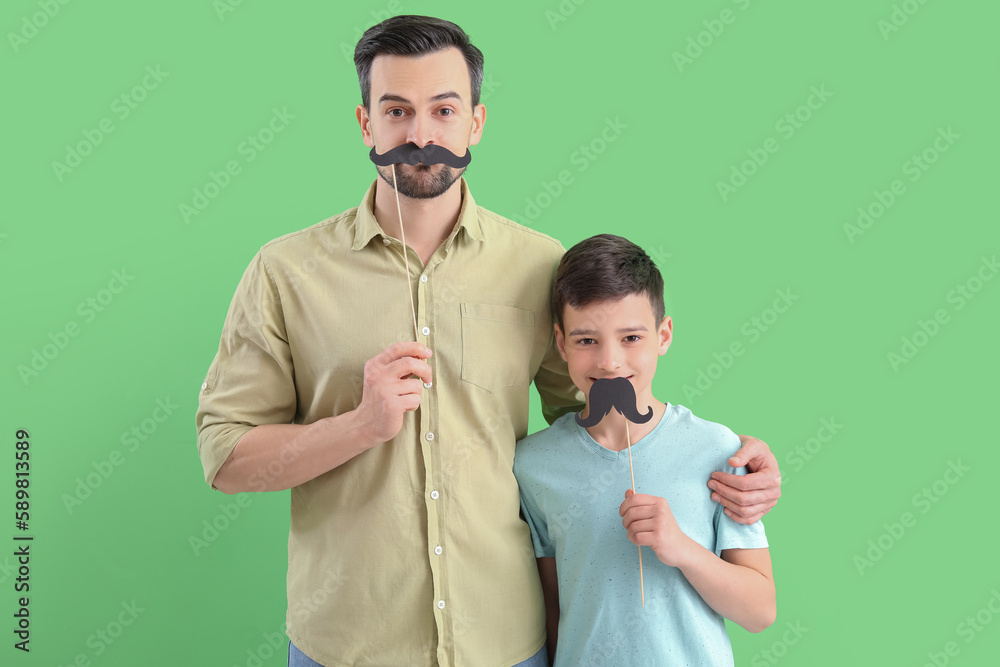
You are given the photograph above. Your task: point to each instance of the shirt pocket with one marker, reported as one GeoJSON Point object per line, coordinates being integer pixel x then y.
{"type": "Point", "coordinates": [496, 345]}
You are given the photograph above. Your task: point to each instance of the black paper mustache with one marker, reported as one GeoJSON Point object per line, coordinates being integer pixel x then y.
{"type": "Point", "coordinates": [429, 154]}
{"type": "Point", "coordinates": [613, 393]}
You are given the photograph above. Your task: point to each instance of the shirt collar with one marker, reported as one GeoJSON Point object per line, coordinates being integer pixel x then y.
{"type": "Point", "coordinates": [366, 227]}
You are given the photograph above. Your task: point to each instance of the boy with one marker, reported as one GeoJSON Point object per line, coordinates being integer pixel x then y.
{"type": "Point", "coordinates": [608, 304]}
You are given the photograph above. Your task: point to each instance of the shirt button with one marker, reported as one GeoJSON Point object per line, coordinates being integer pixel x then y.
{"type": "Point", "coordinates": [423, 279]}
{"type": "Point", "coordinates": [204, 385]}
{"type": "Point", "coordinates": [438, 550]}
{"type": "Point", "coordinates": [428, 385]}
{"type": "Point", "coordinates": [386, 242]}
{"type": "Point", "coordinates": [435, 495]}
{"type": "Point", "coordinates": [440, 604]}
{"type": "Point", "coordinates": [430, 437]}
{"type": "Point", "coordinates": [426, 331]}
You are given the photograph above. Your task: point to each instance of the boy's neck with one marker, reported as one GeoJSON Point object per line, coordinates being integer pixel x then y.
{"type": "Point", "coordinates": [610, 432]}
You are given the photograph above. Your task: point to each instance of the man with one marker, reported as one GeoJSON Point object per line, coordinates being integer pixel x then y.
{"type": "Point", "coordinates": [406, 546]}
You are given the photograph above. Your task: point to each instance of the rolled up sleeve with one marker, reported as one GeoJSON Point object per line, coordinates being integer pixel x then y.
{"type": "Point", "coordinates": [251, 380]}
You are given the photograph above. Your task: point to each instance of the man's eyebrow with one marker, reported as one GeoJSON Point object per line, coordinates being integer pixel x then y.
{"type": "Point", "coordinates": [389, 97]}
{"type": "Point", "coordinates": [447, 95]}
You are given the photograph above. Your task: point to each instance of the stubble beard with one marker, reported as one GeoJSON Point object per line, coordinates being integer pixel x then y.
{"type": "Point", "coordinates": [424, 182]}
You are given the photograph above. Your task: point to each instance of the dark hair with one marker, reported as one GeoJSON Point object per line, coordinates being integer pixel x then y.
{"type": "Point", "coordinates": [606, 268]}
{"type": "Point", "coordinates": [410, 35]}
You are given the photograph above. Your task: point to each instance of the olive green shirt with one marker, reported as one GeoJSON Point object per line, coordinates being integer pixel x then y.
{"type": "Point", "coordinates": [412, 553]}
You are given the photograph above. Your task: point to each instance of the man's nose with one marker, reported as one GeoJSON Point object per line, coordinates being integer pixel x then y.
{"type": "Point", "coordinates": [420, 132]}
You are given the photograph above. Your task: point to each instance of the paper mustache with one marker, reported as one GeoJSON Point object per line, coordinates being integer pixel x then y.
{"type": "Point", "coordinates": [429, 154]}
{"type": "Point", "coordinates": [613, 393]}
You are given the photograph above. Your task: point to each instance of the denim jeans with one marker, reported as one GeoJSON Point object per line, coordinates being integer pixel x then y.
{"type": "Point", "coordinates": [297, 658]}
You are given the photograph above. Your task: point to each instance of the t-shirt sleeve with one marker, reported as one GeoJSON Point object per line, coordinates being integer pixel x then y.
{"type": "Point", "coordinates": [731, 534]}
{"type": "Point", "coordinates": [532, 513]}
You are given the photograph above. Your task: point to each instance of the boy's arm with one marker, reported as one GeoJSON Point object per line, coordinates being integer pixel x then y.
{"type": "Point", "coordinates": [550, 589]}
{"type": "Point", "coordinates": [739, 586]}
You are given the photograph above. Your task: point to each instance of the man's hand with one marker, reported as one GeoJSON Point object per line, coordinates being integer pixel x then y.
{"type": "Point", "coordinates": [747, 498]}
{"type": "Point", "coordinates": [390, 391]}
{"type": "Point", "coordinates": [649, 522]}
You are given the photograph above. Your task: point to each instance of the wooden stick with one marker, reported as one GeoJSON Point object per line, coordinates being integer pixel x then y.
{"type": "Point", "coordinates": [642, 585]}
{"type": "Point", "coordinates": [406, 255]}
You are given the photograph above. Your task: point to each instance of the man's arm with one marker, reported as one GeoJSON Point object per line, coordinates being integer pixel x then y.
{"type": "Point", "coordinates": [555, 387]}
{"type": "Point", "coordinates": [550, 589]}
{"type": "Point", "coordinates": [274, 457]}
{"type": "Point", "coordinates": [739, 586]}
{"type": "Point", "coordinates": [747, 498]}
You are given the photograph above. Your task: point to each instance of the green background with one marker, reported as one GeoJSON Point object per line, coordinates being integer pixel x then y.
{"type": "Point", "coordinates": [557, 75]}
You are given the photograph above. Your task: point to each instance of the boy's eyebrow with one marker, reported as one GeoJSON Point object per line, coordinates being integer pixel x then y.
{"type": "Point", "coordinates": [592, 332]}
{"type": "Point", "coordinates": [390, 97]}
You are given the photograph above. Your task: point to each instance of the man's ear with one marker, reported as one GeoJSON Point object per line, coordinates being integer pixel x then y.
{"type": "Point", "coordinates": [560, 340]}
{"type": "Point", "coordinates": [666, 333]}
{"type": "Point", "coordinates": [478, 120]}
{"type": "Point", "coordinates": [365, 121]}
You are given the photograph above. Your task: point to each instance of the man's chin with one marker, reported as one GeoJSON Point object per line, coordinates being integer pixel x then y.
{"type": "Point", "coordinates": [423, 182]}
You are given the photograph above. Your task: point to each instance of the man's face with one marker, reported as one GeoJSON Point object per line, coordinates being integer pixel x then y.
{"type": "Point", "coordinates": [422, 100]}
{"type": "Point", "coordinates": [609, 339]}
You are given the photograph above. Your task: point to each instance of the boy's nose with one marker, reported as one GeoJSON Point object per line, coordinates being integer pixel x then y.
{"type": "Point", "coordinates": [610, 359]}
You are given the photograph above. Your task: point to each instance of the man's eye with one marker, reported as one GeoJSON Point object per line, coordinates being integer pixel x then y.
{"type": "Point", "coordinates": [632, 339]}
{"type": "Point", "coordinates": [395, 113]}
{"type": "Point", "coordinates": [586, 341]}
{"type": "Point", "coordinates": [447, 112]}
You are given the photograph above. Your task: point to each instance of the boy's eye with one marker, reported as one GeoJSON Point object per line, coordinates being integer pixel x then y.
{"type": "Point", "coordinates": [586, 341]}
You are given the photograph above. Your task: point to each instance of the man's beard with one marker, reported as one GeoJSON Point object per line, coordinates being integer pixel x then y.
{"type": "Point", "coordinates": [421, 184]}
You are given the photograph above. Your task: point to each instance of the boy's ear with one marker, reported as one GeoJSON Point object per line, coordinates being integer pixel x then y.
{"type": "Point", "coordinates": [560, 340]}
{"type": "Point", "coordinates": [666, 333]}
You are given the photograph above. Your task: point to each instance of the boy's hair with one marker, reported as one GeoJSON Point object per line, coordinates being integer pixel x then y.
{"type": "Point", "coordinates": [410, 35]}
{"type": "Point", "coordinates": [606, 268]}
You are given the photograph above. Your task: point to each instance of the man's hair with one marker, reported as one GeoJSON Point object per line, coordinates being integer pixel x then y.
{"type": "Point", "coordinates": [410, 35]}
{"type": "Point", "coordinates": [606, 268]}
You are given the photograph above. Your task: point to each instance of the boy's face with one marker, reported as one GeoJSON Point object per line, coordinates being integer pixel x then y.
{"type": "Point", "coordinates": [607, 339]}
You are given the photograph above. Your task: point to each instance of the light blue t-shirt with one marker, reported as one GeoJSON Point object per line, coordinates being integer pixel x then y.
{"type": "Point", "coordinates": [571, 488]}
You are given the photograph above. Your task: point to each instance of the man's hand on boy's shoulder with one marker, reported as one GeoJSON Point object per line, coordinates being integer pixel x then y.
{"type": "Point", "coordinates": [747, 498]}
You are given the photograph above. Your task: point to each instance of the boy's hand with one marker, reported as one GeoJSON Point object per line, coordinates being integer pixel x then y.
{"type": "Point", "coordinates": [748, 498]}
{"type": "Point", "coordinates": [650, 522]}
